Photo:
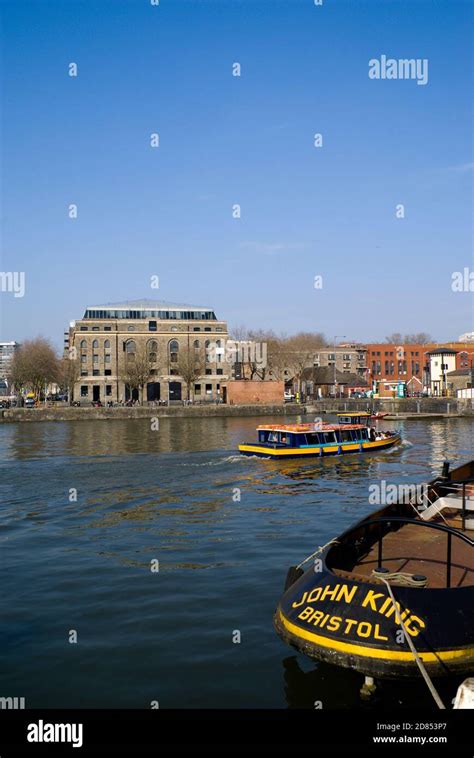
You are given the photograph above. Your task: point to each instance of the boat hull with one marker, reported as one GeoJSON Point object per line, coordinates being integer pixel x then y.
{"type": "Point", "coordinates": [353, 624]}
{"type": "Point", "coordinates": [282, 451]}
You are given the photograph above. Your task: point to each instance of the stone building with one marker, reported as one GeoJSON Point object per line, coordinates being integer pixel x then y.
{"type": "Point", "coordinates": [113, 339]}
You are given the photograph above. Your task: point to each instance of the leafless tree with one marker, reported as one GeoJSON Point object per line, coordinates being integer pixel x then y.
{"type": "Point", "coordinates": [34, 366]}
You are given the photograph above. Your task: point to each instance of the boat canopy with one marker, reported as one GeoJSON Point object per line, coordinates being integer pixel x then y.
{"type": "Point", "coordinates": [303, 428]}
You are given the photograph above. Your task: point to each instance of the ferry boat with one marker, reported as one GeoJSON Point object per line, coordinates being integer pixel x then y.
{"type": "Point", "coordinates": [319, 439]}
{"type": "Point", "coordinates": [398, 581]}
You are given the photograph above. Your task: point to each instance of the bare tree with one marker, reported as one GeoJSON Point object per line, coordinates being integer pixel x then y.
{"type": "Point", "coordinates": [34, 366]}
{"type": "Point", "coordinates": [69, 373]}
{"type": "Point", "coordinates": [420, 338]}
{"type": "Point", "coordinates": [190, 366]}
{"type": "Point", "coordinates": [137, 367]}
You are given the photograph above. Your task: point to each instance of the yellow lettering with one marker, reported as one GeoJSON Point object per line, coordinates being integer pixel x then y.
{"type": "Point", "coordinates": [306, 613]}
{"type": "Point", "coordinates": [334, 623]}
{"type": "Point", "coordinates": [370, 598]}
{"type": "Point", "coordinates": [414, 632]}
{"type": "Point", "coordinates": [316, 617]}
{"type": "Point", "coordinates": [377, 634]}
{"type": "Point", "coordinates": [295, 605]}
{"type": "Point", "coordinates": [346, 594]}
{"type": "Point", "coordinates": [330, 593]}
{"type": "Point", "coordinates": [314, 594]}
{"type": "Point", "coordinates": [364, 629]}
{"type": "Point", "coordinates": [349, 624]}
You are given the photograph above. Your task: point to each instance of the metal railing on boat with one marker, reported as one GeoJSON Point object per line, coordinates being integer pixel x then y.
{"type": "Point", "coordinates": [400, 520]}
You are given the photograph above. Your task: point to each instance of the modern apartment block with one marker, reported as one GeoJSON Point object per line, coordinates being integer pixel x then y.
{"type": "Point", "coordinates": [169, 337]}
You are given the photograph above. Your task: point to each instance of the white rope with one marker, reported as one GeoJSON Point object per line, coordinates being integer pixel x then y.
{"type": "Point", "coordinates": [402, 577]}
{"type": "Point", "coordinates": [318, 551]}
{"type": "Point", "coordinates": [417, 658]}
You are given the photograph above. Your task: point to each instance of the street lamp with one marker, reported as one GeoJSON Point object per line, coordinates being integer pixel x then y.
{"type": "Point", "coordinates": [336, 337]}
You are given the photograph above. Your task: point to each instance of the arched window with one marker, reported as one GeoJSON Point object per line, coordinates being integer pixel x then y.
{"type": "Point", "coordinates": [130, 349]}
{"type": "Point", "coordinates": [107, 344]}
{"type": "Point", "coordinates": [95, 343]}
{"type": "Point", "coordinates": [83, 345]}
{"type": "Point", "coordinates": [152, 350]}
{"type": "Point", "coordinates": [173, 348]}
{"type": "Point", "coordinates": [218, 343]}
{"type": "Point", "coordinates": [197, 343]}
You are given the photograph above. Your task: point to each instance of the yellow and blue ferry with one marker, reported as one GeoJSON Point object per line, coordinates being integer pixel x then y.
{"type": "Point", "coordinates": [319, 439]}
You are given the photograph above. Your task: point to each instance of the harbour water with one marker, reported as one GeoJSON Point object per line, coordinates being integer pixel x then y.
{"type": "Point", "coordinates": [88, 508]}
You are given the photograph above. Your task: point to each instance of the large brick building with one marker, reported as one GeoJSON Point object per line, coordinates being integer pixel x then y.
{"type": "Point", "coordinates": [109, 338]}
{"type": "Point", "coordinates": [390, 365]}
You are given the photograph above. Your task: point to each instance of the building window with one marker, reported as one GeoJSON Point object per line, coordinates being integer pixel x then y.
{"type": "Point", "coordinates": [197, 389]}
{"type": "Point", "coordinates": [197, 329]}
{"type": "Point", "coordinates": [84, 390]}
{"type": "Point", "coordinates": [107, 358]}
{"type": "Point", "coordinates": [95, 343]}
{"type": "Point", "coordinates": [130, 348]}
{"type": "Point", "coordinates": [208, 389]}
{"type": "Point", "coordinates": [95, 328]}
{"type": "Point", "coordinates": [83, 358]}
{"type": "Point", "coordinates": [95, 372]}
{"type": "Point", "coordinates": [173, 350]}
{"type": "Point", "coordinates": [130, 328]}
{"type": "Point", "coordinates": [331, 357]}
{"type": "Point", "coordinates": [108, 390]}
{"type": "Point", "coordinates": [208, 371]}
{"type": "Point", "coordinates": [95, 358]}
{"type": "Point", "coordinates": [83, 329]}
{"type": "Point", "coordinates": [107, 372]}
{"type": "Point", "coordinates": [197, 344]}
{"type": "Point", "coordinates": [107, 328]}
{"type": "Point", "coordinates": [152, 326]}
{"type": "Point", "coordinates": [174, 328]}
{"type": "Point", "coordinates": [152, 350]}
{"type": "Point", "coordinates": [219, 371]}
{"type": "Point", "coordinates": [207, 329]}
{"type": "Point", "coordinates": [84, 372]}
{"type": "Point", "coordinates": [83, 345]}
{"type": "Point", "coordinates": [218, 328]}
{"type": "Point", "coordinates": [107, 344]}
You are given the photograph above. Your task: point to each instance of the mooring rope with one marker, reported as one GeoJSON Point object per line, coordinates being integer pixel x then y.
{"type": "Point", "coordinates": [318, 551]}
{"type": "Point", "coordinates": [417, 658]}
{"type": "Point", "coordinates": [402, 577]}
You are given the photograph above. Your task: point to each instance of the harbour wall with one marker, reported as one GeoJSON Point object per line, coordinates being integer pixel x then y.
{"type": "Point", "coordinates": [403, 407]}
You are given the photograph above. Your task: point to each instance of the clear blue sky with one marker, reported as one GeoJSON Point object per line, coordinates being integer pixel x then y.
{"type": "Point", "coordinates": [247, 140]}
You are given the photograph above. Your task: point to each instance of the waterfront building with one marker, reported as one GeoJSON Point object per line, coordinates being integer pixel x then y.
{"type": "Point", "coordinates": [347, 357]}
{"type": "Point", "coordinates": [406, 369]}
{"type": "Point", "coordinates": [7, 351]}
{"type": "Point", "coordinates": [176, 350]}
{"type": "Point", "coordinates": [442, 362]}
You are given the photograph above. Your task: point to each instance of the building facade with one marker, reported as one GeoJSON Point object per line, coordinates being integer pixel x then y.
{"type": "Point", "coordinates": [7, 351]}
{"type": "Point", "coordinates": [348, 358]}
{"type": "Point", "coordinates": [182, 347]}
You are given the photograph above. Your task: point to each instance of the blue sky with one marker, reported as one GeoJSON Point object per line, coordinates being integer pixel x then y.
{"type": "Point", "coordinates": [305, 211]}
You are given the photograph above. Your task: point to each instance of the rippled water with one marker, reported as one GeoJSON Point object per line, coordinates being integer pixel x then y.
{"type": "Point", "coordinates": [171, 495]}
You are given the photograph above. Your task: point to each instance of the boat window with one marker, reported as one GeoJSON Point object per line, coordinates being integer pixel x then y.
{"type": "Point", "coordinates": [312, 439]}
{"type": "Point", "coordinates": [328, 437]}
{"type": "Point", "coordinates": [346, 435]}
{"type": "Point", "coordinates": [273, 437]}
{"type": "Point", "coordinates": [364, 434]}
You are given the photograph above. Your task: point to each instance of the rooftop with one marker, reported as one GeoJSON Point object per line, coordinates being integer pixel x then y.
{"type": "Point", "coordinates": [147, 305]}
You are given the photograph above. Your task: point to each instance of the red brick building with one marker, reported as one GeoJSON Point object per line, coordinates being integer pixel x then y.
{"type": "Point", "coordinates": [389, 365]}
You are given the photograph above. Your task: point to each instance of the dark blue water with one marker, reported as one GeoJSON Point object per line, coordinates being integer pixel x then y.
{"type": "Point", "coordinates": [171, 495]}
